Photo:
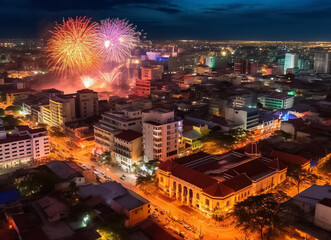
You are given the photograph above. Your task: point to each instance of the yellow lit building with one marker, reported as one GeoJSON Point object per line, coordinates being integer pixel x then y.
{"type": "Point", "coordinates": [210, 183]}
{"type": "Point", "coordinates": [18, 94]}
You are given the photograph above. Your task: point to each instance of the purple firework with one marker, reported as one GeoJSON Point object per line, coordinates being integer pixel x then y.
{"type": "Point", "coordinates": [117, 38]}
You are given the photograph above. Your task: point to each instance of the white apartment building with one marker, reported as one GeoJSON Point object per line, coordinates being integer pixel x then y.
{"type": "Point", "coordinates": [161, 134]}
{"type": "Point", "coordinates": [128, 149]}
{"type": "Point", "coordinates": [112, 123]}
{"type": "Point", "coordinates": [249, 117]}
{"type": "Point", "coordinates": [21, 145]}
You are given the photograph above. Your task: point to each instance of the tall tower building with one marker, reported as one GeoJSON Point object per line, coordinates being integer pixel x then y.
{"type": "Point", "coordinates": [322, 62]}
{"type": "Point", "coordinates": [161, 134]}
{"type": "Point", "coordinates": [87, 103]}
{"type": "Point", "coordinates": [291, 61]}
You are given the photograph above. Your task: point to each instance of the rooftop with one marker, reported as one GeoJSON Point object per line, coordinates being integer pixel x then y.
{"type": "Point", "coordinates": [66, 170]}
{"type": "Point", "coordinates": [314, 194]}
{"type": "Point", "coordinates": [129, 135]}
{"type": "Point", "coordinates": [131, 200]}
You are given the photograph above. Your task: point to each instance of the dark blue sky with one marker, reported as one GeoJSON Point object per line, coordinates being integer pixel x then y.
{"type": "Point", "coordinates": [180, 19]}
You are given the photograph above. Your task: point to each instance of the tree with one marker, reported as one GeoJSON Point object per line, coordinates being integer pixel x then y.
{"type": "Point", "coordinates": [281, 133]}
{"type": "Point", "coordinates": [37, 183]}
{"type": "Point", "coordinates": [230, 138]}
{"type": "Point", "coordinates": [143, 180]}
{"type": "Point", "coordinates": [13, 108]}
{"type": "Point", "coordinates": [265, 214]}
{"type": "Point", "coordinates": [106, 158]}
{"type": "Point", "coordinates": [300, 176]}
{"type": "Point", "coordinates": [10, 120]}
{"type": "Point", "coordinates": [2, 112]}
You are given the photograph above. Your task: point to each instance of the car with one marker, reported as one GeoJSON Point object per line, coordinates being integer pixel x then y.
{"type": "Point", "coordinates": [187, 227]}
{"type": "Point", "coordinates": [123, 178]}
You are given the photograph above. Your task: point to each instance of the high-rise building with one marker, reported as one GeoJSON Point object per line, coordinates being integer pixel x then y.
{"type": "Point", "coordinates": [87, 103]}
{"type": "Point", "coordinates": [62, 109]}
{"type": "Point", "coordinates": [112, 123]}
{"type": "Point", "coordinates": [322, 62]}
{"type": "Point", "coordinates": [210, 61]}
{"type": "Point", "coordinates": [291, 61]}
{"type": "Point", "coordinates": [245, 67]}
{"type": "Point", "coordinates": [147, 82]}
{"type": "Point", "coordinates": [161, 134]}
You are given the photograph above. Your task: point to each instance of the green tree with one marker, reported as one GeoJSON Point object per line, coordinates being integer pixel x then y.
{"type": "Point", "coordinates": [35, 184]}
{"type": "Point", "coordinates": [264, 214]}
{"type": "Point", "coordinates": [230, 138]}
{"type": "Point", "coordinates": [2, 112]}
{"type": "Point", "coordinates": [300, 176]}
{"type": "Point", "coordinates": [106, 158]}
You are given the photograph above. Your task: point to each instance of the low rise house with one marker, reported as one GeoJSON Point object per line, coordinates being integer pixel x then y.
{"type": "Point", "coordinates": [70, 171]}
{"type": "Point", "coordinates": [315, 219]}
{"type": "Point", "coordinates": [134, 207]}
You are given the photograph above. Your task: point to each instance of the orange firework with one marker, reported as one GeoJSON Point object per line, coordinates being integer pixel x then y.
{"type": "Point", "coordinates": [71, 49]}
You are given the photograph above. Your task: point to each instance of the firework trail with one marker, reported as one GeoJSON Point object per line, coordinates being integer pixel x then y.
{"type": "Point", "coordinates": [116, 39]}
{"type": "Point", "coordinates": [110, 77]}
{"type": "Point", "coordinates": [72, 46]}
{"type": "Point", "coordinates": [88, 81]}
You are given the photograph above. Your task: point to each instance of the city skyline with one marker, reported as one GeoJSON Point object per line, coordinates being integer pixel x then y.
{"type": "Point", "coordinates": [214, 20]}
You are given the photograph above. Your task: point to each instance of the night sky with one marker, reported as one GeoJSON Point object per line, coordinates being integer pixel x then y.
{"type": "Point", "coordinates": [179, 19]}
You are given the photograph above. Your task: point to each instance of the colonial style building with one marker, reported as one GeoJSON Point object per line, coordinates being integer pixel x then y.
{"type": "Point", "coordinates": [210, 183]}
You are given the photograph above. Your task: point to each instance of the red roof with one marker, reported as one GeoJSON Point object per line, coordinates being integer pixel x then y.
{"type": "Point", "coordinates": [191, 157]}
{"type": "Point", "coordinates": [253, 169]}
{"type": "Point", "coordinates": [289, 158]}
{"type": "Point", "coordinates": [218, 190]}
{"type": "Point", "coordinates": [129, 135]}
{"type": "Point", "coordinates": [238, 182]}
{"type": "Point", "coordinates": [194, 177]}
{"type": "Point", "coordinates": [167, 166]}
{"type": "Point", "coordinates": [277, 164]}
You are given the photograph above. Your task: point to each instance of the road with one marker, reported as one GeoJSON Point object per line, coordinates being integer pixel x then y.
{"type": "Point", "coordinates": [174, 217]}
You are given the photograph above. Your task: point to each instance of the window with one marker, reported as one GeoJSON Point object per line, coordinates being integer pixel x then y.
{"type": "Point", "coordinates": [207, 202]}
{"type": "Point", "coordinates": [197, 196]}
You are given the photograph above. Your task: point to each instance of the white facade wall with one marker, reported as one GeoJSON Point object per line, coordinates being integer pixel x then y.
{"type": "Point", "coordinates": [322, 216]}
{"type": "Point", "coordinates": [23, 148]}
{"type": "Point", "coordinates": [161, 134]}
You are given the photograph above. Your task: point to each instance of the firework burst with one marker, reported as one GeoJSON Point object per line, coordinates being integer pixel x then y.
{"type": "Point", "coordinates": [72, 46]}
{"type": "Point", "coordinates": [116, 39]}
{"type": "Point", "coordinates": [88, 81]}
{"type": "Point", "coordinates": [110, 77]}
